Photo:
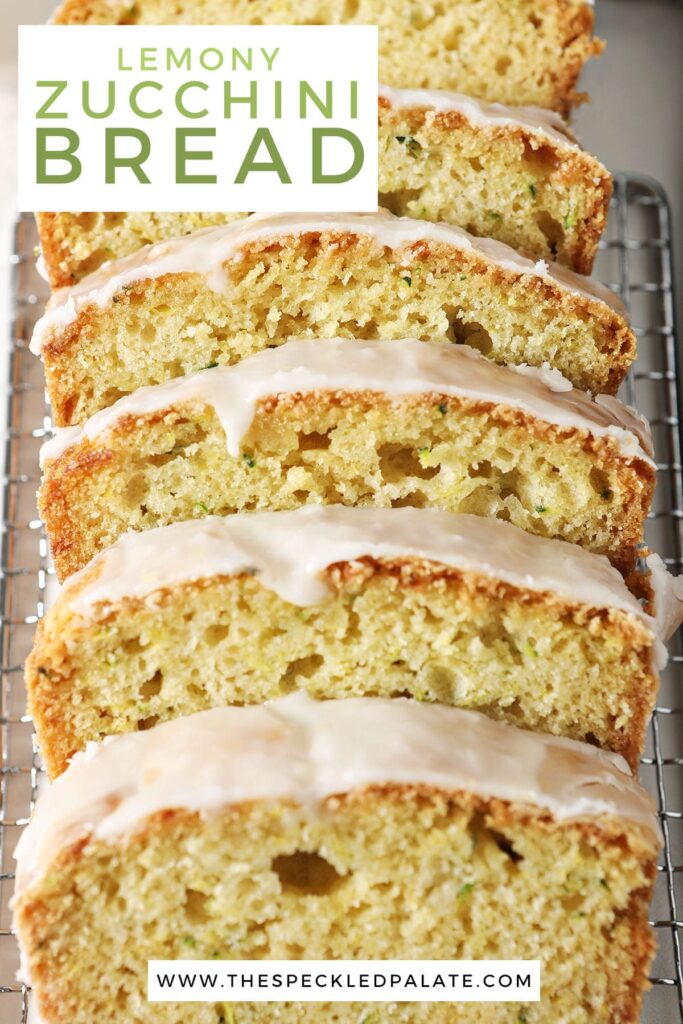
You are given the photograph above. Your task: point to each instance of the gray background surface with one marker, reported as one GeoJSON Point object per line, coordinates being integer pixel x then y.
{"type": "Point", "coordinates": [635, 120]}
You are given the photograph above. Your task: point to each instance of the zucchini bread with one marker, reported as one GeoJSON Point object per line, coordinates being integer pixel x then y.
{"type": "Point", "coordinates": [339, 421]}
{"type": "Point", "coordinates": [343, 602]}
{"type": "Point", "coordinates": [318, 830]}
{"type": "Point", "coordinates": [221, 294]}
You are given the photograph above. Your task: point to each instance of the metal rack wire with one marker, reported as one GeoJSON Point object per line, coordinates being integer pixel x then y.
{"type": "Point", "coordinates": [635, 259]}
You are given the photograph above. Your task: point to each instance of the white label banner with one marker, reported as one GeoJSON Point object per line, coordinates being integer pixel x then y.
{"type": "Point", "coordinates": [198, 118]}
{"type": "Point", "coordinates": [344, 981]}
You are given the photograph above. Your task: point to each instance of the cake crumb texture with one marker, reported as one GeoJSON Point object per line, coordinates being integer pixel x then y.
{"type": "Point", "coordinates": [349, 448]}
{"type": "Point", "coordinates": [402, 872]}
{"type": "Point", "coordinates": [322, 284]}
{"type": "Point", "coordinates": [405, 628]}
{"type": "Point", "coordinates": [526, 52]}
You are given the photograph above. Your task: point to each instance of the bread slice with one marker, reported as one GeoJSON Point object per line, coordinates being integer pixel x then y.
{"type": "Point", "coordinates": [511, 173]}
{"type": "Point", "coordinates": [339, 421]}
{"type": "Point", "coordinates": [222, 294]}
{"type": "Point", "coordinates": [523, 52]}
{"type": "Point", "coordinates": [358, 829]}
{"type": "Point", "coordinates": [515, 174]}
{"type": "Point", "coordinates": [343, 602]}
{"type": "Point", "coordinates": [73, 245]}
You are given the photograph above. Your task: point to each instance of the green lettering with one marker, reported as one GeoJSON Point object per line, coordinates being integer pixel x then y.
{"type": "Point", "coordinates": [148, 56]}
{"type": "Point", "coordinates": [319, 135]}
{"type": "Point", "coordinates": [276, 164]}
{"type": "Point", "coordinates": [229, 99]}
{"type": "Point", "coordinates": [122, 66]}
{"type": "Point", "coordinates": [203, 59]}
{"type": "Point", "coordinates": [135, 106]}
{"type": "Point", "coordinates": [59, 88]}
{"type": "Point", "coordinates": [134, 163]}
{"type": "Point", "coordinates": [246, 62]}
{"type": "Point", "coordinates": [180, 97]}
{"type": "Point", "coordinates": [111, 102]}
{"type": "Point", "coordinates": [179, 62]}
{"type": "Point", "coordinates": [307, 92]}
{"type": "Point", "coordinates": [182, 156]}
{"type": "Point", "coordinates": [270, 57]}
{"type": "Point", "coordinates": [43, 154]}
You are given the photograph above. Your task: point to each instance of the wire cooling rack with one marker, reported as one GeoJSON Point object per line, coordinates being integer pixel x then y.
{"type": "Point", "coordinates": [635, 259]}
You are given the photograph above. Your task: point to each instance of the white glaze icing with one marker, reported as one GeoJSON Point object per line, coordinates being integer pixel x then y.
{"type": "Point", "coordinates": [41, 267]}
{"type": "Point", "coordinates": [303, 750]}
{"type": "Point", "coordinates": [290, 551]}
{"type": "Point", "coordinates": [668, 601]}
{"type": "Point", "coordinates": [205, 252]}
{"type": "Point", "coordinates": [537, 120]}
{"type": "Point", "coordinates": [33, 1016]}
{"type": "Point", "coordinates": [395, 368]}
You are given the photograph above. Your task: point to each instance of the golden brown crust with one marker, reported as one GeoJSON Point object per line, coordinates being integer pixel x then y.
{"type": "Point", "coordinates": [569, 166]}
{"type": "Point", "coordinates": [49, 670]}
{"type": "Point", "coordinates": [56, 254]}
{"type": "Point", "coordinates": [80, 12]}
{"type": "Point", "coordinates": [620, 340]}
{"type": "Point", "coordinates": [63, 477]}
{"type": "Point", "coordinates": [613, 337]}
{"type": "Point", "coordinates": [33, 907]}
